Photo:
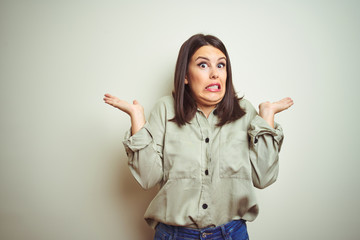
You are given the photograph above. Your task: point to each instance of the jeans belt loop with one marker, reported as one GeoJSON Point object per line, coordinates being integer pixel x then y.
{"type": "Point", "coordinates": [223, 231]}
{"type": "Point", "coordinates": [175, 232]}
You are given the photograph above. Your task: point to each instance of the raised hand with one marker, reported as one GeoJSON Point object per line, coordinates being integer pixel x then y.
{"type": "Point", "coordinates": [134, 110]}
{"type": "Point", "coordinates": [267, 110]}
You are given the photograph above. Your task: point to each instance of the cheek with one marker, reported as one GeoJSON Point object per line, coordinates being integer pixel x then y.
{"type": "Point", "coordinates": [197, 82]}
{"type": "Point", "coordinates": [197, 87]}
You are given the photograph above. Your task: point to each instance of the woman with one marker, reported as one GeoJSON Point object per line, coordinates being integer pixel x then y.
{"type": "Point", "coordinates": [205, 147]}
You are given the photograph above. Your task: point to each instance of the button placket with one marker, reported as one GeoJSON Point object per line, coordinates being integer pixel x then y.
{"type": "Point", "coordinates": [206, 135]}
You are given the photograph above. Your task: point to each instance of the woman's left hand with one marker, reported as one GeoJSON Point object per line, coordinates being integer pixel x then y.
{"type": "Point", "coordinates": [267, 110]}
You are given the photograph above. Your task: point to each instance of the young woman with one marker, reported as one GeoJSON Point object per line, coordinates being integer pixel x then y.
{"type": "Point", "coordinates": [206, 148]}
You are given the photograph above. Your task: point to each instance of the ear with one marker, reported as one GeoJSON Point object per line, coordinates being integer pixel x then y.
{"type": "Point", "coordinates": [186, 80]}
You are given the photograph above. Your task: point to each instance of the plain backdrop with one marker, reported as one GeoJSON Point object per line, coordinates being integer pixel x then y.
{"type": "Point", "coordinates": [63, 168]}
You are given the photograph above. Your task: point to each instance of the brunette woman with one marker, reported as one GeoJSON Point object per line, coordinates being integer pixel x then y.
{"type": "Point", "coordinates": [204, 146]}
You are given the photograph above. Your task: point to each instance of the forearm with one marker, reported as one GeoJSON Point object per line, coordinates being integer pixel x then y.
{"type": "Point", "coordinates": [146, 166]}
{"type": "Point", "coordinates": [145, 157]}
{"type": "Point", "coordinates": [264, 157]}
{"type": "Point", "coordinates": [265, 144]}
{"type": "Point", "coordinates": [268, 117]}
{"type": "Point", "coordinates": [137, 122]}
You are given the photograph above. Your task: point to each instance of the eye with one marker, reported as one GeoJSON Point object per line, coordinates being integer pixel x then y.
{"type": "Point", "coordinates": [202, 65]}
{"type": "Point", "coordinates": [221, 65]}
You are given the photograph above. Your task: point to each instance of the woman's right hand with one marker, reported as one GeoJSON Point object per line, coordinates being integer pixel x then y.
{"type": "Point", "coordinates": [134, 110]}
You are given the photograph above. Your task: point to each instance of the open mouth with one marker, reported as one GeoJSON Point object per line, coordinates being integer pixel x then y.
{"type": "Point", "coordinates": [213, 87]}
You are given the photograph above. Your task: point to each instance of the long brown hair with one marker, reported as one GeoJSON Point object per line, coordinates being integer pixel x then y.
{"type": "Point", "coordinates": [228, 110]}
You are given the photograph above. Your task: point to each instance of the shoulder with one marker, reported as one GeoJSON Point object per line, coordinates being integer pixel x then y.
{"type": "Point", "coordinates": [166, 102]}
{"type": "Point", "coordinates": [163, 106]}
{"type": "Point", "coordinates": [246, 105]}
{"type": "Point", "coordinates": [250, 111]}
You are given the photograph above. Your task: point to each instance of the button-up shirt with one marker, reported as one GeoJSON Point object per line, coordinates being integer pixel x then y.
{"type": "Point", "coordinates": [206, 174]}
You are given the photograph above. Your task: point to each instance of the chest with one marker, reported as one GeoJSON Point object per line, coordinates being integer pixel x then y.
{"type": "Point", "coordinates": [202, 148]}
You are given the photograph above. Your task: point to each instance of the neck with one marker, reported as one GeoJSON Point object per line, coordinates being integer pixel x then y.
{"type": "Point", "coordinates": [206, 110]}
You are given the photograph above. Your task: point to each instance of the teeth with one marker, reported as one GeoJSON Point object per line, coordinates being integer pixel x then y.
{"type": "Point", "coordinates": [213, 87]}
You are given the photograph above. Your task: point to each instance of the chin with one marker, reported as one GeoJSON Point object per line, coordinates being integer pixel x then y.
{"type": "Point", "coordinates": [214, 102]}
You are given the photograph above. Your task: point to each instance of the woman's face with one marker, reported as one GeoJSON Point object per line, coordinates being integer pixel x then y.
{"type": "Point", "coordinates": [207, 77]}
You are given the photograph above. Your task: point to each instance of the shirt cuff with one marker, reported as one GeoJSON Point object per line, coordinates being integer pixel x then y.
{"type": "Point", "coordinates": [259, 126]}
{"type": "Point", "coordinates": [139, 140]}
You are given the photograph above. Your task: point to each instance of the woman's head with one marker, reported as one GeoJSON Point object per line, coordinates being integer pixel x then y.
{"type": "Point", "coordinates": [206, 77]}
{"type": "Point", "coordinates": [202, 61]}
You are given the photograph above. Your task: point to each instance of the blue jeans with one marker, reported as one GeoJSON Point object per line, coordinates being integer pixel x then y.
{"type": "Point", "coordinates": [234, 230]}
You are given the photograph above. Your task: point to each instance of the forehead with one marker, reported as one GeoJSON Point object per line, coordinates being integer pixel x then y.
{"type": "Point", "coordinates": [208, 51]}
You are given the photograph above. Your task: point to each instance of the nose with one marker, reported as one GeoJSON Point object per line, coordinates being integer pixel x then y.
{"type": "Point", "coordinates": [214, 74]}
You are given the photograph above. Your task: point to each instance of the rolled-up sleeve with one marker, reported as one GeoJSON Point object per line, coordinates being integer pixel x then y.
{"type": "Point", "coordinates": [265, 145]}
{"type": "Point", "coordinates": [144, 150]}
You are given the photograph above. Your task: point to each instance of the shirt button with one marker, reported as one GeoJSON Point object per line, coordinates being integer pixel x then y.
{"type": "Point", "coordinates": [206, 140]}
{"type": "Point", "coordinates": [206, 172]}
{"type": "Point", "coordinates": [204, 206]}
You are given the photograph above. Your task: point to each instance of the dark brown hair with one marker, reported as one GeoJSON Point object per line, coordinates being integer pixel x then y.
{"type": "Point", "coordinates": [228, 110]}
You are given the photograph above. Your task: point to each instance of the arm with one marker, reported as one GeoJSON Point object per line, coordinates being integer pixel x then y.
{"type": "Point", "coordinates": [266, 138]}
{"type": "Point", "coordinates": [143, 151]}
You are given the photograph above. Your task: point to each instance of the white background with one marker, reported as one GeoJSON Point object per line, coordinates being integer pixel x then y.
{"type": "Point", "coordinates": [63, 169]}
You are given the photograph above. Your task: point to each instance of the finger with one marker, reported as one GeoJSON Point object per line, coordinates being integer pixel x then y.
{"type": "Point", "coordinates": [109, 96]}
{"type": "Point", "coordinates": [289, 104]}
{"type": "Point", "coordinates": [290, 101]}
{"type": "Point", "coordinates": [109, 101]}
{"type": "Point", "coordinates": [285, 101]}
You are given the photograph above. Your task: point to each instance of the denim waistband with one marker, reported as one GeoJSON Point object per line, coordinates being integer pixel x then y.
{"type": "Point", "coordinates": [202, 233]}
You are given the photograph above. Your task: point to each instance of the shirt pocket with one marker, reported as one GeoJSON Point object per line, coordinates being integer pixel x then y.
{"type": "Point", "coordinates": [234, 161]}
{"type": "Point", "coordinates": [181, 156]}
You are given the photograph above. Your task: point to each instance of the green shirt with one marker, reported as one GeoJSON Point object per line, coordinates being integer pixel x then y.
{"type": "Point", "coordinates": [206, 173]}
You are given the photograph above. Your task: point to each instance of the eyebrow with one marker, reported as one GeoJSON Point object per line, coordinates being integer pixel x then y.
{"type": "Point", "coordinates": [200, 57]}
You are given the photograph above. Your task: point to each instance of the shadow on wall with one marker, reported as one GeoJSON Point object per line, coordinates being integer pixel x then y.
{"type": "Point", "coordinates": [136, 201]}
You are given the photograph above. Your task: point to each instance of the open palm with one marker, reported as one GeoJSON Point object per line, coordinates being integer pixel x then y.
{"type": "Point", "coordinates": [134, 110]}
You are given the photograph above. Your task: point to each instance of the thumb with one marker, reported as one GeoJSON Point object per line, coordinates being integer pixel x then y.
{"type": "Point", "coordinates": [135, 102]}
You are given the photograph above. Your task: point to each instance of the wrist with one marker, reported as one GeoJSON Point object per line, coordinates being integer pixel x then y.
{"type": "Point", "coordinates": [268, 112]}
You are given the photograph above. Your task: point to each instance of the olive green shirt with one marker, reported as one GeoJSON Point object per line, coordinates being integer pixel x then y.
{"type": "Point", "coordinates": [206, 173]}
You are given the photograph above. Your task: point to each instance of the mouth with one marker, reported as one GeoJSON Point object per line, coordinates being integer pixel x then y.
{"type": "Point", "coordinates": [213, 87]}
